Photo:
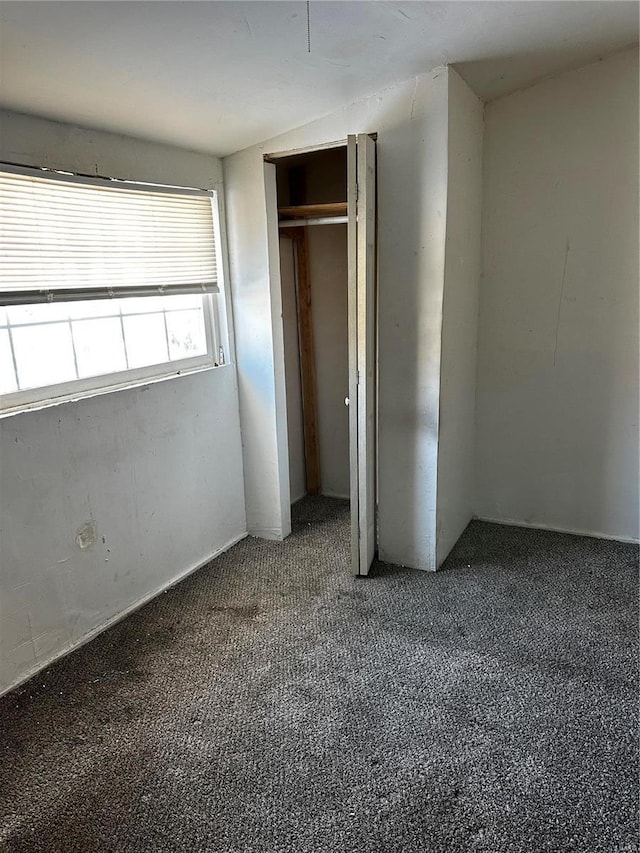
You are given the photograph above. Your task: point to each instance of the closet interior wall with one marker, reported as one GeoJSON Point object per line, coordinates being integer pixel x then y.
{"type": "Point", "coordinates": [318, 177]}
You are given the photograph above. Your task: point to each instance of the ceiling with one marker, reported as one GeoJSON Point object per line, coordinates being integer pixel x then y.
{"type": "Point", "coordinates": [219, 76]}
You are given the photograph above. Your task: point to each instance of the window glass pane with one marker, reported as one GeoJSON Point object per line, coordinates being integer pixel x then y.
{"type": "Point", "coordinates": [94, 308]}
{"type": "Point", "coordinates": [144, 304]}
{"type": "Point", "coordinates": [186, 334]}
{"type": "Point", "coordinates": [104, 340]}
{"type": "Point", "coordinates": [42, 312]}
{"type": "Point", "coordinates": [146, 339]}
{"type": "Point", "coordinates": [44, 354]}
{"type": "Point", "coordinates": [189, 300]}
{"type": "Point", "coordinates": [7, 373]}
{"type": "Point", "coordinates": [99, 346]}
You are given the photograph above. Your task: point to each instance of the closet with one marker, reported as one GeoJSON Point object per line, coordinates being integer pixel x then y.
{"type": "Point", "coordinates": [326, 202]}
{"type": "Point", "coordinates": [312, 213]}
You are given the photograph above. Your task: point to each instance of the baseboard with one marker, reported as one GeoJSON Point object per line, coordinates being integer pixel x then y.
{"type": "Point", "coordinates": [324, 495]}
{"type": "Point", "coordinates": [274, 534]}
{"type": "Point", "coordinates": [513, 522]}
{"type": "Point", "coordinates": [392, 560]}
{"type": "Point", "coordinates": [113, 620]}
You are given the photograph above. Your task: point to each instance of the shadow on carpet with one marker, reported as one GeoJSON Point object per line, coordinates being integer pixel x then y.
{"type": "Point", "coordinates": [271, 702]}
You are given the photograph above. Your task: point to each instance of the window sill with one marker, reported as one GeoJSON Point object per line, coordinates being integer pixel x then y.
{"type": "Point", "coordinates": [75, 396]}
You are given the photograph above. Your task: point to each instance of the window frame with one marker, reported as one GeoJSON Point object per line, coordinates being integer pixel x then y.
{"type": "Point", "coordinates": [44, 396]}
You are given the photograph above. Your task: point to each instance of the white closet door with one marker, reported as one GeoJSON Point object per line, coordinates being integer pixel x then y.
{"type": "Point", "coordinates": [361, 198]}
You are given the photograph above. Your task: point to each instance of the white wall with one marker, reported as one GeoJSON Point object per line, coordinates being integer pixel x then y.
{"type": "Point", "coordinates": [157, 469]}
{"type": "Point", "coordinates": [557, 391]}
{"type": "Point", "coordinates": [456, 429]}
{"type": "Point", "coordinates": [410, 119]}
{"type": "Point", "coordinates": [328, 269]}
{"type": "Point", "coordinates": [254, 261]}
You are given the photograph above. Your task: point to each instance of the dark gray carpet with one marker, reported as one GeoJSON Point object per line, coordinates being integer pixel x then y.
{"type": "Point", "coordinates": [273, 703]}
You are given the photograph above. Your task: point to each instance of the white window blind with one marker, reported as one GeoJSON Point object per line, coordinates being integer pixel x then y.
{"type": "Point", "coordinates": [65, 238]}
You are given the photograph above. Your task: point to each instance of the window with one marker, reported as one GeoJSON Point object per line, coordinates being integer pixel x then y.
{"type": "Point", "coordinates": [103, 283]}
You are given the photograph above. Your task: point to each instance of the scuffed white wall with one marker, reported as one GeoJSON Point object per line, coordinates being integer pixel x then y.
{"type": "Point", "coordinates": [156, 469]}
{"type": "Point", "coordinates": [253, 262]}
{"type": "Point", "coordinates": [412, 198]}
{"type": "Point", "coordinates": [557, 391]}
{"type": "Point", "coordinates": [410, 119]}
{"type": "Point", "coordinates": [457, 421]}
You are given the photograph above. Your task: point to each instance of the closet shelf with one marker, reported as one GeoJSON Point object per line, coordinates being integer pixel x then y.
{"type": "Point", "coordinates": [311, 211]}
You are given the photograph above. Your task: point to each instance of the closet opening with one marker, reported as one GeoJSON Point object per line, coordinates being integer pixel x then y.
{"type": "Point", "coordinates": [312, 213]}
{"type": "Point", "coordinates": [326, 203]}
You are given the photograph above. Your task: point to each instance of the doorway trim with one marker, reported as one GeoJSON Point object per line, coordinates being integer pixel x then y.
{"type": "Point", "coordinates": [361, 565]}
{"type": "Point", "coordinates": [310, 149]}
{"type": "Point", "coordinates": [275, 291]}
